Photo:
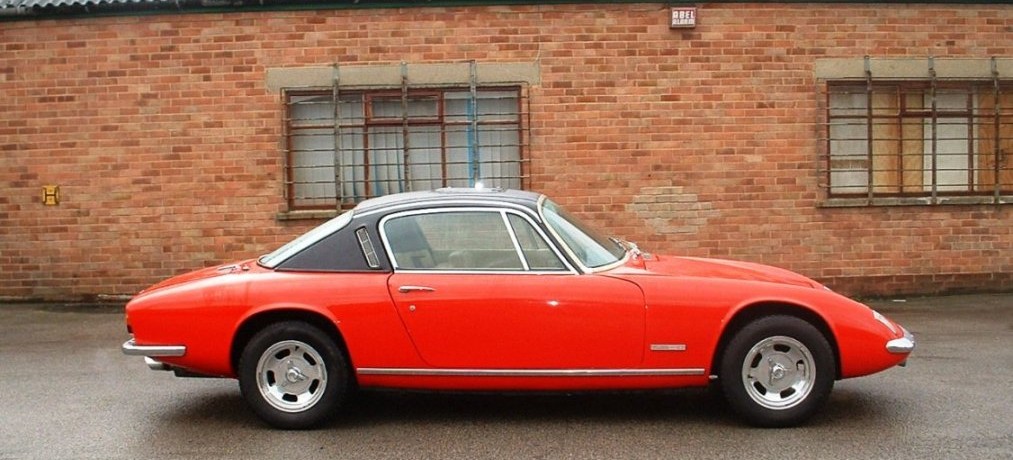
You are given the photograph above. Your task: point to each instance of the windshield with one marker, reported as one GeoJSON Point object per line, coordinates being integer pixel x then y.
{"type": "Point", "coordinates": [589, 247]}
{"type": "Point", "coordinates": [306, 240]}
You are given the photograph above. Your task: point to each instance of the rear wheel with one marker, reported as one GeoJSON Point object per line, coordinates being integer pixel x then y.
{"type": "Point", "coordinates": [292, 375]}
{"type": "Point", "coordinates": [777, 371]}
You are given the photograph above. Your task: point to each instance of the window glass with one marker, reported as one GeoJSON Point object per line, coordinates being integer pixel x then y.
{"type": "Point", "coordinates": [453, 240]}
{"type": "Point", "coordinates": [313, 168]}
{"type": "Point", "coordinates": [536, 251]}
{"type": "Point", "coordinates": [591, 248]}
{"type": "Point", "coordinates": [305, 240]}
{"type": "Point", "coordinates": [393, 107]}
{"type": "Point", "coordinates": [489, 106]}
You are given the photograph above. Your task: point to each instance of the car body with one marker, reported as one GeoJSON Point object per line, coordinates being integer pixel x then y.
{"type": "Point", "coordinates": [487, 289]}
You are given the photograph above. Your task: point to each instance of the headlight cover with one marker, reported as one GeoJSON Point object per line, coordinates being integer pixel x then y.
{"type": "Point", "coordinates": [886, 322]}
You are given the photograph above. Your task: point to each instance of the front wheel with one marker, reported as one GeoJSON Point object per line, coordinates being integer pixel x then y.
{"type": "Point", "coordinates": [777, 371]}
{"type": "Point", "coordinates": [292, 375]}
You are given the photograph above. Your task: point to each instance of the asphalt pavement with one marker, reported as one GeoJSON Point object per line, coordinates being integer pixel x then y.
{"type": "Point", "coordinates": [66, 391]}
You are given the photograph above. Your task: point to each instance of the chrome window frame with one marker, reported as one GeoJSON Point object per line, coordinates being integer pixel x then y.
{"type": "Point", "coordinates": [500, 209]}
{"type": "Point", "coordinates": [515, 242]}
{"type": "Point", "coordinates": [569, 252]}
{"type": "Point", "coordinates": [447, 203]}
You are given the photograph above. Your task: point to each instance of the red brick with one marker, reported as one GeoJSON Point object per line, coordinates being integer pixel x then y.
{"type": "Point", "coordinates": [167, 144]}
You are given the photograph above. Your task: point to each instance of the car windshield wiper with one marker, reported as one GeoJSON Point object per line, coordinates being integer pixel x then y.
{"type": "Point", "coordinates": [627, 245]}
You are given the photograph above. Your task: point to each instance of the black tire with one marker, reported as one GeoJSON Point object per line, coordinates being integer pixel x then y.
{"type": "Point", "coordinates": [293, 375]}
{"type": "Point", "coordinates": [777, 371]}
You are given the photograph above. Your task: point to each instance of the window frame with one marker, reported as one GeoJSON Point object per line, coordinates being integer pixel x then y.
{"type": "Point", "coordinates": [974, 116]}
{"type": "Point", "coordinates": [517, 121]}
{"type": "Point", "coordinates": [526, 269]}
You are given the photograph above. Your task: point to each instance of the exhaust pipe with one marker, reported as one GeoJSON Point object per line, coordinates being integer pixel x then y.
{"type": "Point", "coordinates": [156, 365]}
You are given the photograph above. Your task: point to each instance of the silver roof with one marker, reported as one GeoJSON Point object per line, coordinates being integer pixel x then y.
{"type": "Point", "coordinates": [470, 195]}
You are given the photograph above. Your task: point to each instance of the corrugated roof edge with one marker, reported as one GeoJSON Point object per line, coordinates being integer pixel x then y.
{"type": "Point", "coordinates": [45, 3]}
{"type": "Point", "coordinates": [35, 9]}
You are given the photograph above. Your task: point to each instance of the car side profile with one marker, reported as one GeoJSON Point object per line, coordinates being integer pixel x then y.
{"type": "Point", "coordinates": [502, 290]}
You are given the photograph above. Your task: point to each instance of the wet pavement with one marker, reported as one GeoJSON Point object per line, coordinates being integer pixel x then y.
{"type": "Point", "coordinates": [66, 391]}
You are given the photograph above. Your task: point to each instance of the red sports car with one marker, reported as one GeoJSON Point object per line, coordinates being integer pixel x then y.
{"type": "Point", "coordinates": [466, 289]}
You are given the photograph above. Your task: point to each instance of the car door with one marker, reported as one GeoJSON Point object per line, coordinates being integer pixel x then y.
{"type": "Point", "coordinates": [481, 288]}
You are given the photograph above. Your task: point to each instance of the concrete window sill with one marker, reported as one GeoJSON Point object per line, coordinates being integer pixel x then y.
{"type": "Point", "coordinates": [914, 201]}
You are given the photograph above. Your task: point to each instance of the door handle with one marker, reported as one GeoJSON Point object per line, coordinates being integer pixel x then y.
{"type": "Point", "coordinates": [407, 289]}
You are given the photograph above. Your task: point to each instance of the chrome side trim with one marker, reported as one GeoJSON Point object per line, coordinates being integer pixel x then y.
{"type": "Point", "coordinates": [668, 347]}
{"type": "Point", "coordinates": [902, 345]}
{"type": "Point", "coordinates": [482, 272]}
{"type": "Point", "coordinates": [131, 348]}
{"type": "Point", "coordinates": [528, 372]}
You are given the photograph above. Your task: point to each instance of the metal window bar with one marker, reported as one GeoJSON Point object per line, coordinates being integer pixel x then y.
{"type": "Point", "coordinates": [473, 144]}
{"type": "Point", "coordinates": [997, 127]}
{"type": "Point", "coordinates": [405, 171]}
{"type": "Point", "coordinates": [525, 134]}
{"type": "Point", "coordinates": [935, 131]}
{"type": "Point", "coordinates": [869, 132]}
{"type": "Point", "coordinates": [336, 98]}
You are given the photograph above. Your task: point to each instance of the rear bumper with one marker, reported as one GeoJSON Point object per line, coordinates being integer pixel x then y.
{"type": "Point", "coordinates": [131, 348]}
{"type": "Point", "coordinates": [902, 345]}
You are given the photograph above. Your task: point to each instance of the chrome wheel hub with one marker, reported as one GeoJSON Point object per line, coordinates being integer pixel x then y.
{"type": "Point", "coordinates": [778, 372]}
{"type": "Point", "coordinates": [294, 375]}
{"type": "Point", "coordinates": [291, 376]}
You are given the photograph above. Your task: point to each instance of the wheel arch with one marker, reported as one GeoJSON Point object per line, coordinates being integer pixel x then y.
{"type": "Point", "coordinates": [751, 312]}
{"type": "Point", "coordinates": [257, 322]}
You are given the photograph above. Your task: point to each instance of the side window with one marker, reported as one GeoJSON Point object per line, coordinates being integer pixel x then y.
{"type": "Point", "coordinates": [536, 251]}
{"type": "Point", "coordinates": [453, 240]}
{"type": "Point", "coordinates": [408, 245]}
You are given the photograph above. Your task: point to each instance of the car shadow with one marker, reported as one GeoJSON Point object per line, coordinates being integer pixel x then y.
{"type": "Point", "coordinates": [381, 407]}
{"type": "Point", "coordinates": [689, 406]}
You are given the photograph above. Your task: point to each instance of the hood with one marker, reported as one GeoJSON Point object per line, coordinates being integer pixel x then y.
{"type": "Point", "coordinates": [204, 273]}
{"type": "Point", "coordinates": [726, 269]}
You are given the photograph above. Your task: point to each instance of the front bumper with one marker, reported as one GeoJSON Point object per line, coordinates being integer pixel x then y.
{"type": "Point", "coordinates": [902, 345]}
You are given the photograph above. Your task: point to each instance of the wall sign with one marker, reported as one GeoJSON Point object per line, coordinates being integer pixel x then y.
{"type": "Point", "coordinates": [683, 17]}
{"type": "Point", "coordinates": [50, 195]}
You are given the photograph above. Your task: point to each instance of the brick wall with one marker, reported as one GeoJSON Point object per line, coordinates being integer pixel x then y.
{"type": "Point", "coordinates": [167, 144]}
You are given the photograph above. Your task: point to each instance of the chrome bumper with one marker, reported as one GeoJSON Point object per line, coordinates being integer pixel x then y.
{"type": "Point", "coordinates": [131, 348]}
{"type": "Point", "coordinates": [902, 345]}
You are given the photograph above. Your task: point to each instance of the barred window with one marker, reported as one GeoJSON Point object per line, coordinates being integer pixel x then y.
{"type": "Point", "coordinates": [918, 139]}
{"type": "Point", "coordinates": [373, 143]}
